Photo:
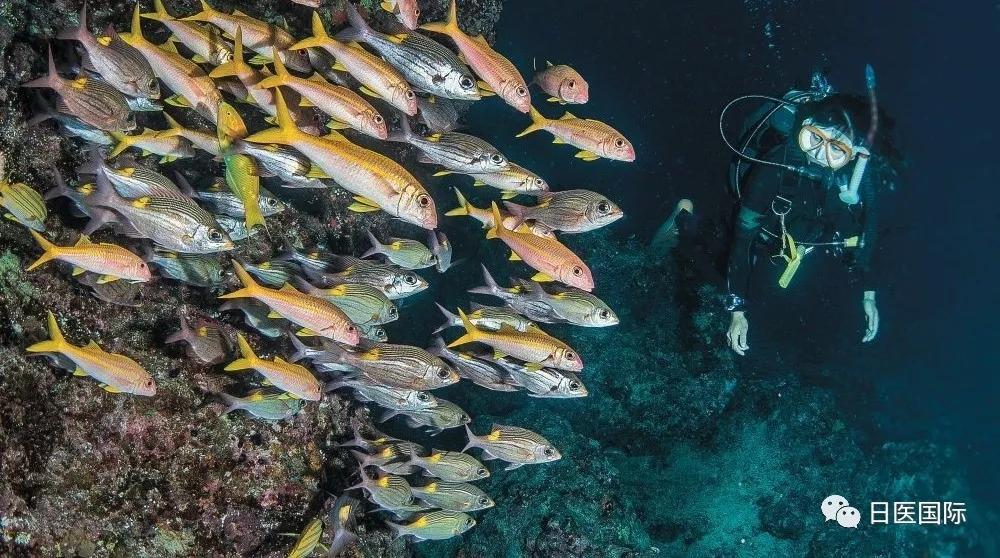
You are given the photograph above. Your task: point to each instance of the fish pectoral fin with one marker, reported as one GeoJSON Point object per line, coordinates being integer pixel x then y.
{"type": "Point", "coordinates": [316, 172]}
{"type": "Point", "coordinates": [443, 173]}
{"type": "Point", "coordinates": [369, 92]}
{"type": "Point", "coordinates": [363, 205]}
{"type": "Point", "coordinates": [110, 388]}
{"type": "Point", "coordinates": [533, 367]}
{"type": "Point", "coordinates": [305, 102]}
{"type": "Point", "coordinates": [337, 125]}
{"type": "Point", "coordinates": [587, 156]}
{"type": "Point", "coordinates": [199, 59]}
{"type": "Point", "coordinates": [306, 332]}
{"type": "Point", "coordinates": [260, 60]}
{"type": "Point", "coordinates": [554, 100]}
{"type": "Point", "coordinates": [508, 195]}
{"type": "Point", "coordinates": [168, 159]}
{"type": "Point", "coordinates": [339, 67]}
{"type": "Point", "coordinates": [177, 100]}
{"type": "Point", "coordinates": [558, 140]}
{"type": "Point", "coordinates": [79, 372]}
{"type": "Point", "coordinates": [512, 466]}
{"type": "Point", "coordinates": [485, 89]}
{"type": "Point", "coordinates": [542, 277]}
{"type": "Point", "coordinates": [478, 182]}
{"type": "Point", "coordinates": [106, 279]}
{"type": "Point", "coordinates": [266, 382]}
{"type": "Point", "coordinates": [515, 258]}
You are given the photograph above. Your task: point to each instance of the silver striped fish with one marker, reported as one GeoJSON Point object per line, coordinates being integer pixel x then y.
{"type": "Point", "coordinates": [221, 200]}
{"type": "Point", "coordinates": [454, 151]}
{"type": "Point", "coordinates": [445, 415]}
{"type": "Point", "coordinates": [568, 211]}
{"type": "Point", "coordinates": [455, 496]}
{"type": "Point", "coordinates": [286, 163]}
{"type": "Point", "coordinates": [273, 274]}
{"type": "Point", "coordinates": [423, 62]}
{"type": "Point", "coordinates": [24, 203]}
{"type": "Point", "coordinates": [200, 270]}
{"type": "Point", "coordinates": [452, 466]}
{"type": "Point", "coordinates": [436, 525]}
{"type": "Point", "coordinates": [308, 540]}
{"type": "Point", "coordinates": [486, 317]}
{"type": "Point", "coordinates": [518, 446]}
{"type": "Point", "coordinates": [373, 332]}
{"type": "Point", "coordinates": [257, 316]}
{"type": "Point", "coordinates": [398, 399]}
{"type": "Point", "coordinates": [392, 280]}
{"type": "Point", "coordinates": [402, 366]}
{"type": "Point", "coordinates": [517, 299]}
{"type": "Point", "coordinates": [478, 369]}
{"type": "Point", "coordinates": [389, 491]}
{"type": "Point", "coordinates": [235, 227]}
{"type": "Point", "coordinates": [136, 182]}
{"type": "Point", "coordinates": [570, 305]}
{"type": "Point", "coordinates": [544, 382]}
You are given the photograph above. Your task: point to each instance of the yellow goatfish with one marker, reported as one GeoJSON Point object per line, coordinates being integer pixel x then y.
{"type": "Point", "coordinates": [595, 138]}
{"type": "Point", "coordinates": [116, 373]}
{"type": "Point", "coordinates": [110, 261]}
{"type": "Point", "coordinates": [205, 141]}
{"type": "Point", "coordinates": [378, 78]}
{"type": "Point", "coordinates": [533, 346]}
{"type": "Point", "coordinates": [377, 181]}
{"type": "Point", "coordinates": [339, 102]}
{"type": "Point", "coordinates": [315, 315]}
{"type": "Point", "coordinates": [551, 258]}
{"type": "Point", "coordinates": [182, 76]}
{"type": "Point", "coordinates": [206, 43]}
{"type": "Point", "coordinates": [169, 147]}
{"type": "Point", "coordinates": [293, 378]}
{"type": "Point", "coordinates": [259, 36]}
{"type": "Point", "coordinates": [499, 75]}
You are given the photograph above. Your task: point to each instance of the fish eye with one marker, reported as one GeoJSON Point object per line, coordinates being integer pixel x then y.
{"type": "Point", "coordinates": [570, 355]}
{"type": "Point", "coordinates": [604, 314]}
{"type": "Point", "coordinates": [484, 501]}
{"type": "Point", "coordinates": [149, 383]}
{"type": "Point", "coordinates": [572, 83]}
{"type": "Point", "coordinates": [619, 142]}
{"type": "Point", "coordinates": [577, 271]}
{"type": "Point", "coordinates": [443, 373]}
{"type": "Point", "coordinates": [521, 92]}
{"type": "Point", "coordinates": [603, 207]}
{"type": "Point", "coordinates": [408, 94]}
{"type": "Point", "coordinates": [215, 235]}
{"type": "Point", "coordinates": [410, 280]}
{"type": "Point", "coordinates": [378, 119]}
{"type": "Point", "coordinates": [573, 386]}
{"type": "Point", "coordinates": [416, 11]}
{"type": "Point", "coordinates": [272, 202]}
{"type": "Point", "coordinates": [496, 158]}
{"type": "Point", "coordinates": [465, 418]}
{"type": "Point", "coordinates": [466, 82]}
{"type": "Point", "coordinates": [393, 312]}
{"type": "Point", "coordinates": [423, 397]}
{"type": "Point", "coordinates": [423, 200]}
{"type": "Point", "coordinates": [539, 182]}
{"type": "Point", "coordinates": [482, 472]}
{"type": "Point", "coordinates": [549, 452]}
{"type": "Point", "coordinates": [351, 329]}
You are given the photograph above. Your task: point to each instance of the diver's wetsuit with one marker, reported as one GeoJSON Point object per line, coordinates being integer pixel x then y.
{"type": "Point", "coordinates": [816, 216]}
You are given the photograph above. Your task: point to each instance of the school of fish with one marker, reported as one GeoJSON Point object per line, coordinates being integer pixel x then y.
{"type": "Point", "coordinates": [318, 94]}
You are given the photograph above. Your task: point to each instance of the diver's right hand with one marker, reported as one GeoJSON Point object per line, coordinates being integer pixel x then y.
{"type": "Point", "coordinates": [737, 335]}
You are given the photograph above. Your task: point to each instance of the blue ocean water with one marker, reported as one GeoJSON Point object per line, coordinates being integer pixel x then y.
{"type": "Point", "coordinates": [660, 72]}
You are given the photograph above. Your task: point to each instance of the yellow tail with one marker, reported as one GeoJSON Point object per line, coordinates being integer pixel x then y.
{"type": "Point", "coordinates": [248, 359]}
{"type": "Point", "coordinates": [160, 13]}
{"type": "Point", "coordinates": [136, 34]}
{"type": "Point", "coordinates": [51, 251]}
{"type": "Point", "coordinates": [123, 143]}
{"type": "Point", "coordinates": [472, 333]}
{"type": "Point", "coordinates": [286, 133]}
{"type": "Point", "coordinates": [56, 342]}
{"type": "Point", "coordinates": [494, 231]}
{"type": "Point", "coordinates": [537, 123]}
{"type": "Point", "coordinates": [250, 287]}
{"type": "Point", "coordinates": [464, 207]}
{"type": "Point", "coordinates": [206, 14]}
{"type": "Point", "coordinates": [449, 26]}
{"type": "Point", "coordinates": [281, 75]}
{"type": "Point", "coordinates": [237, 65]}
{"type": "Point", "coordinates": [319, 38]}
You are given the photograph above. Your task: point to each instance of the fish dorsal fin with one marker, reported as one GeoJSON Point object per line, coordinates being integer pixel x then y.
{"type": "Point", "coordinates": [141, 203]}
{"type": "Point", "coordinates": [481, 40]}
{"type": "Point", "coordinates": [542, 277]}
{"type": "Point", "coordinates": [548, 64]}
{"type": "Point", "coordinates": [279, 360]}
{"type": "Point", "coordinates": [92, 345]}
{"type": "Point", "coordinates": [567, 116]}
{"type": "Point", "coordinates": [79, 372]}
{"type": "Point", "coordinates": [83, 240]}
{"type": "Point", "coordinates": [288, 288]}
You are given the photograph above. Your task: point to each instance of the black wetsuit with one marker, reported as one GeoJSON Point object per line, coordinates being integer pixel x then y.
{"type": "Point", "coordinates": [816, 215]}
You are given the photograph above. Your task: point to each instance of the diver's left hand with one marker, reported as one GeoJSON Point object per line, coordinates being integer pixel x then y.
{"type": "Point", "coordinates": [871, 316]}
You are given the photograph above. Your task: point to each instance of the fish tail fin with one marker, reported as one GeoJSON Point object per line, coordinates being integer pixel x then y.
{"type": "Point", "coordinates": [377, 247]}
{"type": "Point", "coordinates": [450, 319]}
{"type": "Point", "coordinates": [248, 355]}
{"type": "Point", "coordinates": [301, 349]}
{"type": "Point", "coordinates": [159, 12]}
{"type": "Point", "coordinates": [359, 27]}
{"type": "Point", "coordinates": [319, 35]}
{"type": "Point", "coordinates": [78, 33]}
{"type": "Point", "coordinates": [281, 75]}
{"type": "Point", "coordinates": [235, 66]}
{"type": "Point", "coordinates": [55, 343]}
{"type": "Point", "coordinates": [50, 251]}
{"type": "Point", "coordinates": [517, 211]}
{"type": "Point", "coordinates": [447, 27]}
{"type": "Point", "coordinates": [250, 287]}
{"type": "Point", "coordinates": [537, 122]}
{"type": "Point", "coordinates": [491, 287]}
{"type": "Point", "coordinates": [405, 132]}
{"type": "Point", "coordinates": [50, 79]}
{"type": "Point", "coordinates": [206, 14]}
{"type": "Point", "coordinates": [464, 207]}
{"type": "Point", "coordinates": [183, 185]}
{"type": "Point", "coordinates": [60, 190]}
{"type": "Point", "coordinates": [122, 142]}
{"type": "Point", "coordinates": [286, 132]}
{"type": "Point", "coordinates": [494, 231]}
{"type": "Point", "coordinates": [136, 32]}
{"type": "Point", "coordinates": [472, 333]}
{"type": "Point", "coordinates": [471, 439]}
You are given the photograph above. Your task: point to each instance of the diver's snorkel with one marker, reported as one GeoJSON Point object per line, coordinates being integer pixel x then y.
{"type": "Point", "coordinates": [849, 193]}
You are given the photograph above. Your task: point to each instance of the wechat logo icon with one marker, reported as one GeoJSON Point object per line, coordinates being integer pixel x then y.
{"type": "Point", "coordinates": [837, 508]}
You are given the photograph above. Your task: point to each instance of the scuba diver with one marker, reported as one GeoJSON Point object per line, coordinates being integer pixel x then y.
{"type": "Point", "coordinates": [808, 179]}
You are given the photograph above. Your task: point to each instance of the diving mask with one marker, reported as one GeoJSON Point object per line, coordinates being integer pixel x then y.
{"type": "Point", "coordinates": [825, 146]}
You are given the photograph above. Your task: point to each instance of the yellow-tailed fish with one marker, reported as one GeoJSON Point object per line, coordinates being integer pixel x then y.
{"type": "Point", "coordinates": [185, 78]}
{"type": "Point", "coordinates": [563, 84]}
{"type": "Point", "coordinates": [406, 253]}
{"type": "Point", "coordinates": [118, 62]}
{"type": "Point", "coordinates": [596, 139]}
{"type": "Point", "coordinates": [518, 446]}
{"type": "Point", "coordinates": [485, 216]}
{"type": "Point", "coordinates": [205, 141]}
{"type": "Point", "coordinates": [206, 42]}
{"type": "Point", "coordinates": [551, 258]}
{"type": "Point", "coordinates": [110, 261]}
{"type": "Point", "coordinates": [116, 373]}
{"type": "Point", "coordinates": [314, 315]}
{"type": "Point", "coordinates": [259, 36]}
{"type": "Point", "coordinates": [93, 101]}
{"type": "Point", "coordinates": [293, 378]}
{"type": "Point", "coordinates": [241, 171]}
{"type": "Point", "coordinates": [24, 204]}
{"type": "Point", "coordinates": [425, 63]}
{"type": "Point", "coordinates": [377, 180]}
{"type": "Point", "coordinates": [377, 77]}
{"type": "Point", "coordinates": [568, 211]}
{"type": "Point", "coordinates": [308, 540]}
{"type": "Point", "coordinates": [169, 147]}
{"type": "Point", "coordinates": [435, 526]}
{"type": "Point", "coordinates": [249, 76]}
{"type": "Point", "coordinates": [406, 11]}
{"type": "Point", "coordinates": [533, 346]}
{"type": "Point", "coordinates": [341, 103]}
{"type": "Point", "coordinates": [499, 75]}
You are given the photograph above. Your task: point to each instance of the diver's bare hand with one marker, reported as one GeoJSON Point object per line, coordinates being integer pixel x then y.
{"type": "Point", "coordinates": [871, 316]}
{"type": "Point", "coordinates": [737, 335]}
